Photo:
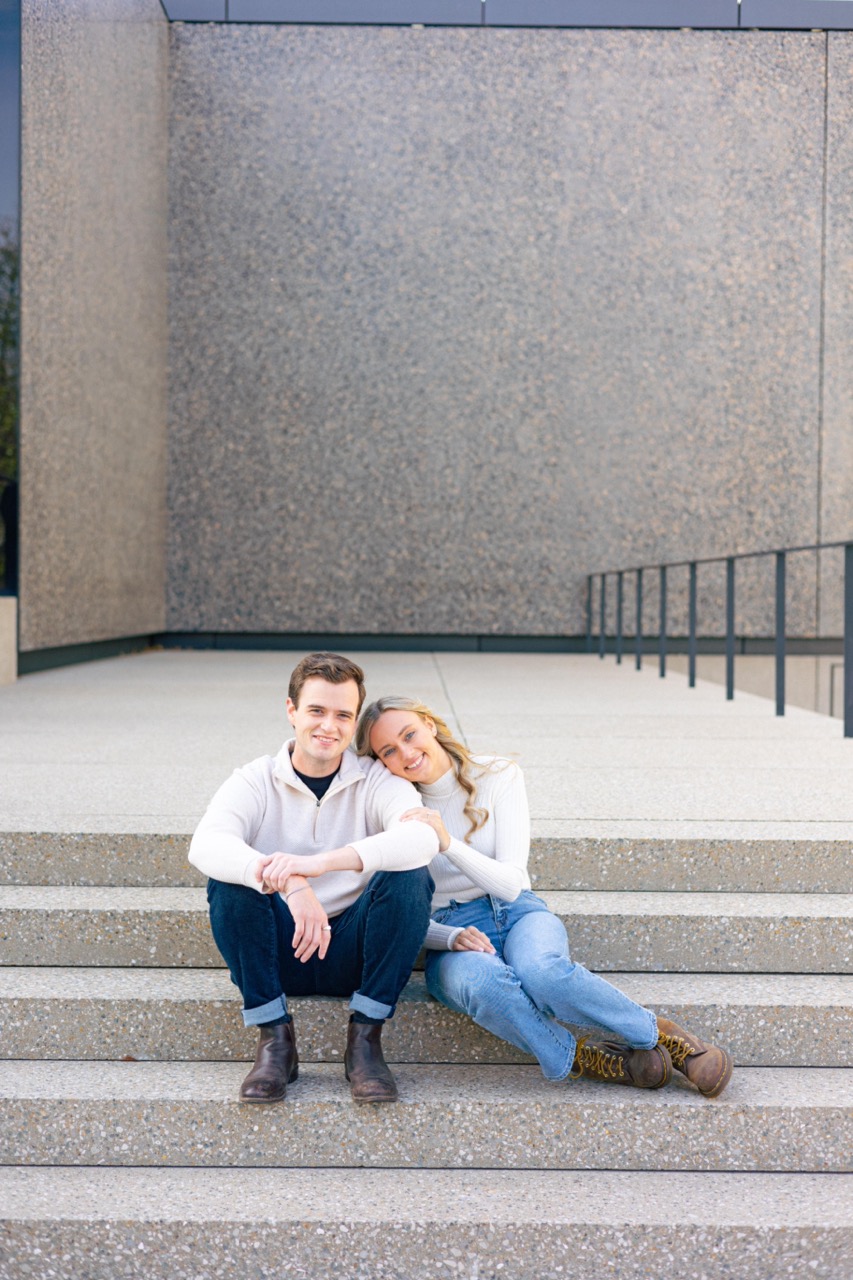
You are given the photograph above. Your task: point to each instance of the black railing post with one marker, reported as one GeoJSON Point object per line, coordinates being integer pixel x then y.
{"type": "Point", "coordinates": [848, 640]}
{"type": "Point", "coordinates": [602, 616]}
{"type": "Point", "coordinates": [589, 613]}
{"type": "Point", "coordinates": [638, 640]}
{"type": "Point", "coordinates": [619, 618]}
{"type": "Point", "coordinates": [730, 628]}
{"type": "Point", "coordinates": [780, 633]}
{"type": "Point", "coordinates": [691, 628]}
{"type": "Point", "coordinates": [662, 639]}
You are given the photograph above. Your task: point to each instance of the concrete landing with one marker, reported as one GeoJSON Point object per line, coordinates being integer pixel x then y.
{"type": "Point", "coordinates": [138, 744]}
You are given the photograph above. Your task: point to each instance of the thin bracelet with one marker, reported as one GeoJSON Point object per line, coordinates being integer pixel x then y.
{"type": "Point", "coordinates": [293, 892]}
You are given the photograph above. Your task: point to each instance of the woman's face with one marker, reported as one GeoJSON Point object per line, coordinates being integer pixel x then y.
{"type": "Point", "coordinates": [407, 746]}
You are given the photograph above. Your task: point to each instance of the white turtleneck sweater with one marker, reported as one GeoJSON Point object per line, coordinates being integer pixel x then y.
{"type": "Point", "coordinates": [491, 861]}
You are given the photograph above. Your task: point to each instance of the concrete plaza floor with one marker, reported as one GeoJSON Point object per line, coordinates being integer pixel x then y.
{"type": "Point", "coordinates": [140, 743]}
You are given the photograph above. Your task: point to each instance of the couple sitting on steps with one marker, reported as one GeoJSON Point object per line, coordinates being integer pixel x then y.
{"type": "Point", "coordinates": [327, 874]}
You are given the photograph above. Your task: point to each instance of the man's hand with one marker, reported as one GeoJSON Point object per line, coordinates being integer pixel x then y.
{"type": "Point", "coordinates": [279, 867]}
{"type": "Point", "coordinates": [433, 819]}
{"type": "Point", "coordinates": [472, 939]}
{"type": "Point", "coordinates": [274, 870]}
{"type": "Point", "coordinates": [311, 932]}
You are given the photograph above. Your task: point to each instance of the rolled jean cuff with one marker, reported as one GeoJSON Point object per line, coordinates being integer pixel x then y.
{"type": "Point", "coordinates": [370, 1008]}
{"type": "Point", "coordinates": [653, 1032]}
{"type": "Point", "coordinates": [265, 1012]}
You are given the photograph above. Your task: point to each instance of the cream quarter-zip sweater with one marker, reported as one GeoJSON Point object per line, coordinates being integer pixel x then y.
{"type": "Point", "coordinates": [266, 808]}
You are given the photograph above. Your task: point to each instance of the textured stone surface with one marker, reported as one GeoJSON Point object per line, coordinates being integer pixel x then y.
{"type": "Point", "coordinates": [556, 862]}
{"type": "Point", "coordinates": [439, 297]}
{"type": "Point", "coordinates": [763, 1020]}
{"type": "Point", "coordinates": [837, 438]}
{"type": "Point", "coordinates": [93, 313]}
{"type": "Point", "coordinates": [448, 1116]}
{"type": "Point", "coordinates": [103, 926]}
{"type": "Point", "coordinates": [532, 1226]}
{"type": "Point", "coordinates": [763, 866]}
{"type": "Point", "coordinates": [682, 932]}
{"type": "Point", "coordinates": [95, 859]}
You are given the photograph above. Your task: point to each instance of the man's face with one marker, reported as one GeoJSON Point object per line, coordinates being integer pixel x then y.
{"type": "Point", "coordinates": [324, 723]}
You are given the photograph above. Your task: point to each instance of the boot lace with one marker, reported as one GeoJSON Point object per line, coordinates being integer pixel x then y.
{"type": "Point", "coordinates": [598, 1061]}
{"type": "Point", "coordinates": [679, 1050]}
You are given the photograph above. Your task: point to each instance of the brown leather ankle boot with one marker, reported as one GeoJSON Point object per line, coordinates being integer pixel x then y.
{"type": "Point", "coordinates": [617, 1064]}
{"type": "Point", "coordinates": [706, 1066]}
{"type": "Point", "coordinates": [364, 1064]}
{"type": "Point", "coordinates": [276, 1064]}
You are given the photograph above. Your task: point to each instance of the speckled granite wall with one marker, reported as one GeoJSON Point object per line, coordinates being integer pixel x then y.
{"type": "Point", "coordinates": [93, 398]}
{"type": "Point", "coordinates": [459, 315]}
{"type": "Point", "coordinates": [837, 451]}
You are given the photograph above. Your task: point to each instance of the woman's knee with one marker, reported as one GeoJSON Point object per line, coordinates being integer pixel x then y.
{"type": "Point", "coordinates": [466, 979]}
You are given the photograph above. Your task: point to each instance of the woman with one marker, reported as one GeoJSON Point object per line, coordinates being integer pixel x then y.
{"type": "Point", "coordinates": [495, 951]}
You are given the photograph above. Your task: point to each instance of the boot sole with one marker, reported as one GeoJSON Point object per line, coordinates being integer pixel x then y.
{"type": "Point", "coordinates": [266, 1102]}
{"type": "Point", "coordinates": [373, 1102]}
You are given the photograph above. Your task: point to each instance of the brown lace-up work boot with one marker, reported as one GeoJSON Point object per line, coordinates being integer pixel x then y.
{"type": "Point", "coordinates": [276, 1065]}
{"type": "Point", "coordinates": [706, 1066]}
{"type": "Point", "coordinates": [616, 1063]}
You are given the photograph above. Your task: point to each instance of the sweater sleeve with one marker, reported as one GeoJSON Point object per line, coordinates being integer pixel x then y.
{"type": "Point", "coordinates": [440, 937]}
{"type": "Point", "coordinates": [220, 846]}
{"type": "Point", "coordinates": [505, 873]}
{"type": "Point", "coordinates": [398, 846]}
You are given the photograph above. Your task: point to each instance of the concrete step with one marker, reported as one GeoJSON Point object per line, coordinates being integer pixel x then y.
{"type": "Point", "coordinates": [680, 932]}
{"type": "Point", "coordinates": [148, 1113]}
{"type": "Point", "coordinates": [703, 866]}
{"type": "Point", "coordinates": [178, 1014]}
{"type": "Point", "coordinates": [164, 1224]}
{"type": "Point", "coordinates": [557, 861]}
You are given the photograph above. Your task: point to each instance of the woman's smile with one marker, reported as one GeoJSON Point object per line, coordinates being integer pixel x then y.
{"type": "Point", "coordinates": [407, 746]}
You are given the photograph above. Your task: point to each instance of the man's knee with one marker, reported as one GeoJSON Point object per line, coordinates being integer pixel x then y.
{"type": "Point", "coordinates": [235, 902]}
{"type": "Point", "coordinates": [415, 886]}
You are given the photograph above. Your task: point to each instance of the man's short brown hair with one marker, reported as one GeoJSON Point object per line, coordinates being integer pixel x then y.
{"type": "Point", "coordinates": [325, 666]}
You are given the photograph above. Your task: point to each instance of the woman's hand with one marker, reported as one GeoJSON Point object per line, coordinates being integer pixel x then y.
{"type": "Point", "coordinates": [433, 819]}
{"type": "Point", "coordinates": [472, 939]}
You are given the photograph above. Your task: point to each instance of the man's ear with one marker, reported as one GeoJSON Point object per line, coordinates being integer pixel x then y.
{"type": "Point", "coordinates": [291, 707]}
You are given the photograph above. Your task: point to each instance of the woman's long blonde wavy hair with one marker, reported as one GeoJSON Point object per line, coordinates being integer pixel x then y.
{"type": "Point", "coordinates": [463, 762]}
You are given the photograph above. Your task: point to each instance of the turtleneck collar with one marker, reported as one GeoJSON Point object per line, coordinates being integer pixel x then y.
{"type": "Point", "coordinates": [442, 787]}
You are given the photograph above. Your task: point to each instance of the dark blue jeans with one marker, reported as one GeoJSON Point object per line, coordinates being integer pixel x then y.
{"type": "Point", "coordinates": [374, 945]}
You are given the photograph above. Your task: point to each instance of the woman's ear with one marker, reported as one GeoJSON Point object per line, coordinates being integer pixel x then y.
{"type": "Point", "coordinates": [432, 726]}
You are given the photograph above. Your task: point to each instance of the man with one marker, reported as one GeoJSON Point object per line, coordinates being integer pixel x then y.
{"type": "Point", "coordinates": [315, 886]}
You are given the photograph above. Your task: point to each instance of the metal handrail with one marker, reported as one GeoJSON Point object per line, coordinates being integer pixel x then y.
{"type": "Point", "coordinates": [781, 555]}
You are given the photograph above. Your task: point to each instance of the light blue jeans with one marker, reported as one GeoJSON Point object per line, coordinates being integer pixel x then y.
{"type": "Point", "coordinates": [531, 986]}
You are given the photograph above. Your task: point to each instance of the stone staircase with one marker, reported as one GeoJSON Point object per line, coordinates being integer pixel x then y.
{"type": "Point", "coordinates": [124, 1152]}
